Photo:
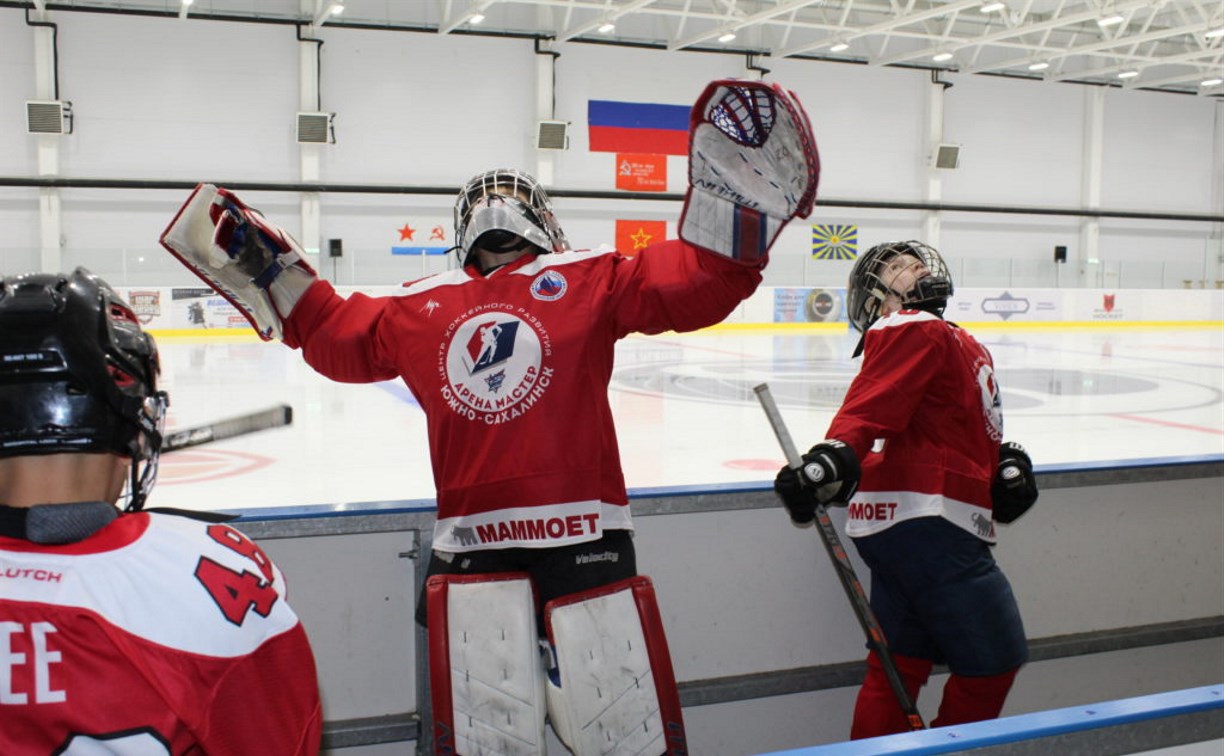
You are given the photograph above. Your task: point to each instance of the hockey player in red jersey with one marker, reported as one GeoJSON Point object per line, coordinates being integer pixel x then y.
{"type": "Point", "coordinates": [915, 453]}
{"type": "Point", "coordinates": [510, 358]}
{"type": "Point", "coordinates": [123, 632]}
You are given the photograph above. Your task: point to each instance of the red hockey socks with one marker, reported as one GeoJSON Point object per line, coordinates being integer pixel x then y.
{"type": "Point", "coordinates": [877, 711]}
{"type": "Point", "coordinates": [973, 699]}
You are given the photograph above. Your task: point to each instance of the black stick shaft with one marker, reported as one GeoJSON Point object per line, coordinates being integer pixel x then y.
{"type": "Point", "coordinates": [845, 570]}
{"type": "Point", "coordinates": [274, 417]}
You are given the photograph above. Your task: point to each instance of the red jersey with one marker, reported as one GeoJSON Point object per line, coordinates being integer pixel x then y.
{"type": "Point", "coordinates": [512, 371]}
{"type": "Point", "coordinates": [924, 417]}
{"type": "Point", "coordinates": [156, 635]}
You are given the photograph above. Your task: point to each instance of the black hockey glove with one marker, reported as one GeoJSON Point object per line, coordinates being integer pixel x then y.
{"type": "Point", "coordinates": [1014, 488]}
{"type": "Point", "coordinates": [830, 475]}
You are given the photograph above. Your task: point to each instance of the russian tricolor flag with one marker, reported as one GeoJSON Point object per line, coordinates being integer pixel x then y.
{"type": "Point", "coordinates": [643, 127]}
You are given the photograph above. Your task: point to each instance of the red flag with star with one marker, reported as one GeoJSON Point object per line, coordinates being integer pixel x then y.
{"type": "Point", "coordinates": [632, 235]}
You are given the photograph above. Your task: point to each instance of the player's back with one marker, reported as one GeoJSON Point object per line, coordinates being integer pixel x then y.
{"type": "Point", "coordinates": [154, 635]}
{"type": "Point", "coordinates": [927, 389]}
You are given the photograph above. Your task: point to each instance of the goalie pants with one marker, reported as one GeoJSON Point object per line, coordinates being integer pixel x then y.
{"type": "Point", "coordinates": [555, 572]}
{"type": "Point", "coordinates": [940, 598]}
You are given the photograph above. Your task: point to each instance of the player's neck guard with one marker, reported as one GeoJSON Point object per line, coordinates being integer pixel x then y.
{"type": "Point", "coordinates": [55, 524]}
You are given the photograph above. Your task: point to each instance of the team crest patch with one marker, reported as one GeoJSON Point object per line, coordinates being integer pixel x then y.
{"type": "Point", "coordinates": [549, 286]}
{"type": "Point", "coordinates": [493, 364]}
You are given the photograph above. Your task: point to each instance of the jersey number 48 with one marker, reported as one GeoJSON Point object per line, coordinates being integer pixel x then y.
{"type": "Point", "coordinates": [237, 593]}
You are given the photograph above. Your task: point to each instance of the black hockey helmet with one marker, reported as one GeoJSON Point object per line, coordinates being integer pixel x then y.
{"type": "Point", "coordinates": [505, 208]}
{"type": "Point", "coordinates": [78, 374]}
{"type": "Point", "coordinates": [867, 287]}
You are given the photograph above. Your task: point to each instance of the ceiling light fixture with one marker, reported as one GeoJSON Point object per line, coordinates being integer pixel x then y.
{"type": "Point", "coordinates": [331, 9]}
{"type": "Point", "coordinates": [1113, 20]}
{"type": "Point", "coordinates": [727, 37]}
{"type": "Point", "coordinates": [607, 28]}
{"type": "Point", "coordinates": [1212, 82]}
{"type": "Point", "coordinates": [1128, 74]}
{"type": "Point", "coordinates": [992, 7]}
{"type": "Point", "coordinates": [1214, 33]}
{"type": "Point", "coordinates": [941, 57]}
{"type": "Point", "coordinates": [840, 46]}
{"type": "Point", "coordinates": [1039, 66]}
{"type": "Point", "coordinates": [476, 18]}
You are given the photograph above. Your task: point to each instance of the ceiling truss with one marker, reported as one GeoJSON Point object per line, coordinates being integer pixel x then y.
{"type": "Point", "coordinates": [1170, 45]}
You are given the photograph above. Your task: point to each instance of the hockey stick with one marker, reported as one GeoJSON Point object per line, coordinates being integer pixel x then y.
{"type": "Point", "coordinates": [274, 417]}
{"type": "Point", "coordinates": [845, 570]}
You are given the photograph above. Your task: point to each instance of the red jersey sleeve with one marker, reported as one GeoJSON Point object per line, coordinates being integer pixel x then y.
{"type": "Point", "coordinates": [900, 358]}
{"type": "Point", "coordinates": [340, 338]}
{"type": "Point", "coordinates": [268, 702]}
{"type": "Point", "coordinates": [675, 286]}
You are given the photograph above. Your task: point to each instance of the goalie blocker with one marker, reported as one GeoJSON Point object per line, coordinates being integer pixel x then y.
{"type": "Point", "coordinates": [253, 263]}
{"type": "Point", "coordinates": [605, 679]}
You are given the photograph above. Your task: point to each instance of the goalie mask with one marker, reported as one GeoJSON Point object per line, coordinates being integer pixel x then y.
{"type": "Point", "coordinates": [910, 271]}
{"type": "Point", "coordinates": [504, 210]}
{"type": "Point", "coordinates": [78, 374]}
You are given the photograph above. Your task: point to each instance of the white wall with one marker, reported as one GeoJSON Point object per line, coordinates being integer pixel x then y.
{"type": "Point", "coordinates": [188, 100]}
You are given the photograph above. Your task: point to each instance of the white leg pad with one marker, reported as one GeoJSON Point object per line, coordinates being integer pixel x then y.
{"type": "Point", "coordinates": [485, 672]}
{"type": "Point", "coordinates": [617, 693]}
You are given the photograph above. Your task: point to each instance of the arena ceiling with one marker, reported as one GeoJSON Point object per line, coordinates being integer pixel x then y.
{"type": "Point", "coordinates": [1169, 45]}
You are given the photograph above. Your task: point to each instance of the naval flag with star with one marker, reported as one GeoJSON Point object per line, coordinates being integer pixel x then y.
{"type": "Point", "coordinates": [421, 239]}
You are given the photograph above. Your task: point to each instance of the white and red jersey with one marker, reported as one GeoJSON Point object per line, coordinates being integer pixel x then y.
{"type": "Point", "coordinates": [156, 635]}
{"type": "Point", "coordinates": [924, 417]}
{"type": "Point", "coordinates": [512, 370]}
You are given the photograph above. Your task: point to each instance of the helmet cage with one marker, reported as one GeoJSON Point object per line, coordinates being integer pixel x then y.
{"type": "Point", "coordinates": [78, 374]}
{"type": "Point", "coordinates": [510, 201]}
{"type": "Point", "coordinates": [867, 290]}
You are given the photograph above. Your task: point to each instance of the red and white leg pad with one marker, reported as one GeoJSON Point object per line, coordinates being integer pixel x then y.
{"type": "Point", "coordinates": [612, 690]}
{"type": "Point", "coordinates": [485, 672]}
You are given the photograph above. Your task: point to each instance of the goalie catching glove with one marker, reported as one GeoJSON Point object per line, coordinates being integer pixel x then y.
{"type": "Point", "coordinates": [254, 264]}
{"type": "Point", "coordinates": [829, 475]}
{"type": "Point", "coordinates": [1014, 488]}
{"type": "Point", "coordinates": [753, 166]}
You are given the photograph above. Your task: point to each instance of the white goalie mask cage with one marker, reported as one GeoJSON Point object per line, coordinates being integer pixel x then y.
{"type": "Point", "coordinates": [508, 201]}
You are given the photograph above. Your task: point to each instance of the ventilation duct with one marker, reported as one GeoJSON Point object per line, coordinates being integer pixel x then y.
{"type": "Point", "coordinates": [315, 128]}
{"type": "Point", "coordinates": [48, 117]}
{"type": "Point", "coordinates": [947, 156]}
{"type": "Point", "coordinates": [552, 135]}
